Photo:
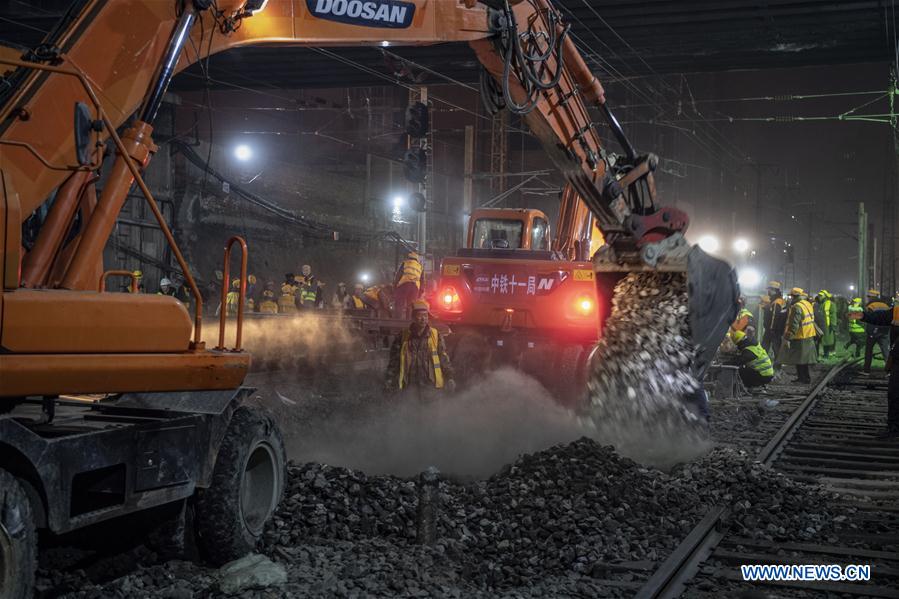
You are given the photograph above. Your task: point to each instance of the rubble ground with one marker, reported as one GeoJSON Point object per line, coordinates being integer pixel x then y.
{"type": "Point", "coordinates": [574, 520]}
{"type": "Point", "coordinates": [549, 524]}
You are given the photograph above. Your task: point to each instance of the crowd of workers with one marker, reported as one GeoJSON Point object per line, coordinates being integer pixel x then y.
{"type": "Point", "coordinates": [799, 330]}
{"type": "Point", "coordinates": [304, 291]}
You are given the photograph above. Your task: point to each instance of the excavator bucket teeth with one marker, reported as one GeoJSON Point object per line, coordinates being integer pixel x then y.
{"type": "Point", "coordinates": [713, 291]}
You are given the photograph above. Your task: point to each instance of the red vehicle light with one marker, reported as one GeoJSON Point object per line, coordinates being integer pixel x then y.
{"type": "Point", "coordinates": [450, 301]}
{"type": "Point", "coordinates": [583, 306]}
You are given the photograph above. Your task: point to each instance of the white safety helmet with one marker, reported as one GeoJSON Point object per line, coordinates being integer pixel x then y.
{"type": "Point", "coordinates": [165, 283]}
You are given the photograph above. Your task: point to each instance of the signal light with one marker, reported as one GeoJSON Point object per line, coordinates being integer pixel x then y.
{"type": "Point", "coordinates": [450, 301]}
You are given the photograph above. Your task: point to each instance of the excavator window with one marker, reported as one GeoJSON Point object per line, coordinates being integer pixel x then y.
{"type": "Point", "coordinates": [540, 235]}
{"type": "Point", "coordinates": [494, 233]}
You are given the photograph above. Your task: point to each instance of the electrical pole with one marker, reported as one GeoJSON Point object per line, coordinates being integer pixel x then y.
{"type": "Point", "coordinates": [467, 199]}
{"type": "Point", "coordinates": [423, 187]}
{"type": "Point", "coordinates": [862, 249]}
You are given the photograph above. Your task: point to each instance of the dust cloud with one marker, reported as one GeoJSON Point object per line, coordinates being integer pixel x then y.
{"type": "Point", "coordinates": [348, 422]}
{"type": "Point", "coordinates": [294, 341]}
{"type": "Point", "coordinates": [470, 434]}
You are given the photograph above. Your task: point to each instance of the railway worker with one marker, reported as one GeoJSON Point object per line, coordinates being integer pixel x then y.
{"type": "Point", "coordinates": [355, 302]}
{"type": "Point", "coordinates": [875, 335]}
{"type": "Point", "coordinates": [268, 304]}
{"type": "Point", "coordinates": [377, 299]}
{"type": "Point", "coordinates": [252, 297]}
{"type": "Point", "coordinates": [745, 319]}
{"type": "Point", "coordinates": [856, 328]}
{"type": "Point", "coordinates": [755, 365]}
{"type": "Point", "coordinates": [232, 300]}
{"type": "Point", "coordinates": [307, 289]}
{"type": "Point", "coordinates": [166, 287]}
{"type": "Point", "coordinates": [287, 300]}
{"type": "Point", "coordinates": [887, 318]}
{"type": "Point", "coordinates": [798, 346]}
{"type": "Point", "coordinates": [419, 365]}
{"type": "Point", "coordinates": [774, 318]}
{"type": "Point", "coordinates": [340, 297]}
{"type": "Point", "coordinates": [407, 283]}
{"type": "Point", "coordinates": [826, 320]}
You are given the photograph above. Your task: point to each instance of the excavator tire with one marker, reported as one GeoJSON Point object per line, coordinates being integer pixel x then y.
{"type": "Point", "coordinates": [18, 540]}
{"type": "Point", "coordinates": [571, 377]}
{"type": "Point", "coordinates": [247, 484]}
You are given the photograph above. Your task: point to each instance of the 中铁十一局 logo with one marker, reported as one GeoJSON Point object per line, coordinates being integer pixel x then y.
{"type": "Point", "coordinates": [367, 13]}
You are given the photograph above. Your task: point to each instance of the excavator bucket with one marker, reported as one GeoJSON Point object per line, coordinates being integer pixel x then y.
{"type": "Point", "coordinates": [664, 325]}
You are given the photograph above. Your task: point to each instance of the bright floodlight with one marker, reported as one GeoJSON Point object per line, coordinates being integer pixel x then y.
{"type": "Point", "coordinates": [398, 202]}
{"type": "Point", "coordinates": [741, 246]}
{"type": "Point", "coordinates": [243, 152]}
{"type": "Point", "coordinates": [709, 243]}
{"type": "Point", "coordinates": [749, 278]}
{"type": "Point", "coordinates": [364, 277]}
{"type": "Point", "coordinates": [852, 288]}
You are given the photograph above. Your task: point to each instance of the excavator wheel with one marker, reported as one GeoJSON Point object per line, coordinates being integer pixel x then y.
{"type": "Point", "coordinates": [247, 484]}
{"type": "Point", "coordinates": [571, 376]}
{"type": "Point", "coordinates": [18, 540]}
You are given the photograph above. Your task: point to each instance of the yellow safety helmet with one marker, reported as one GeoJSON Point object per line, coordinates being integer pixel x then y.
{"type": "Point", "coordinates": [235, 283]}
{"type": "Point", "coordinates": [413, 255]}
{"type": "Point", "coordinates": [251, 279]}
{"type": "Point", "coordinates": [286, 288]}
{"type": "Point", "coordinates": [737, 336]}
{"type": "Point", "coordinates": [873, 293]}
{"type": "Point", "coordinates": [797, 292]}
{"type": "Point", "coordinates": [856, 301]}
{"type": "Point", "coordinates": [420, 304]}
{"type": "Point", "coordinates": [774, 285]}
{"type": "Point", "coordinates": [137, 274]}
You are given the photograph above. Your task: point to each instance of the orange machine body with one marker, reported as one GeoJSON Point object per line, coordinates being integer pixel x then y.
{"type": "Point", "coordinates": [508, 279]}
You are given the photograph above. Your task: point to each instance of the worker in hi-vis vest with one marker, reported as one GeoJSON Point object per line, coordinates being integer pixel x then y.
{"type": "Point", "coordinates": [418, 362]}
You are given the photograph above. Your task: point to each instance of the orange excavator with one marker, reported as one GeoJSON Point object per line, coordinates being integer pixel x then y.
{"type": "Point", "coordinates": [515, 295]}
{"type": "Point", "coordinates": [112, 403]}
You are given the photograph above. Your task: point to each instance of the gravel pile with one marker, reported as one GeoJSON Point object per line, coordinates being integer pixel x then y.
{"type": "Point", "coordinates": [561, 522]}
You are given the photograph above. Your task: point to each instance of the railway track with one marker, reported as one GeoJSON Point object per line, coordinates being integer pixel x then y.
{"type": "Point", "coordinates": [827, 439]}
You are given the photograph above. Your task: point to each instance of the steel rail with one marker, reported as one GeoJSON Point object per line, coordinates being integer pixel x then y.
{"type": "Point", "coordinates": [669, 580]}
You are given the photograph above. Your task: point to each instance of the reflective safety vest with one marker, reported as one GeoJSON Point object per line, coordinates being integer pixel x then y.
{"type": "Point", "coordinates": [307, 294]}
{"type": "Point", "coordinates": [411, 272]}
{"type": "Point", "coordinates": [807, 323]}
{"type": "Point", "coordinates": [358, 303]}
{"type": "Point", "coordinates": [825, 305]}
{"type": "Point", "coordinates": [286, 302]}
{"type": "Point", "coordinates": [231, 302]}
{"type": "Point", "coordinates": [436, 369]}
{"type": "Point", "coordinates": [373, 294]}
{"type": "Point", "coordinates": [895, 322]}
{"type": "Point", "coordinates": [268, 305]}
{"type": "Point", "coordinates": [762, 363]}
{"type": "Point", "coordinates": [855, 326]}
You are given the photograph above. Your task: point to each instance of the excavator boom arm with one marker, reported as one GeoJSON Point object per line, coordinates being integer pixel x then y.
{"type": "Point", "coordinates": [124, 48]}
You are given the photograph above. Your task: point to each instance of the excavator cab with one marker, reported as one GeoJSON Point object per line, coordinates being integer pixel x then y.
{"type": "Point", "coordinates": [506, 228]}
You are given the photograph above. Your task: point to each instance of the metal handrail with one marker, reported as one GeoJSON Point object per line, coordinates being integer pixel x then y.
{"type": "Point", "coordinates": [119, 273]}
{"type": "Point", "coordinates": [226, 285]}
{"type": "Point", "coordinates": [197, 343]}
